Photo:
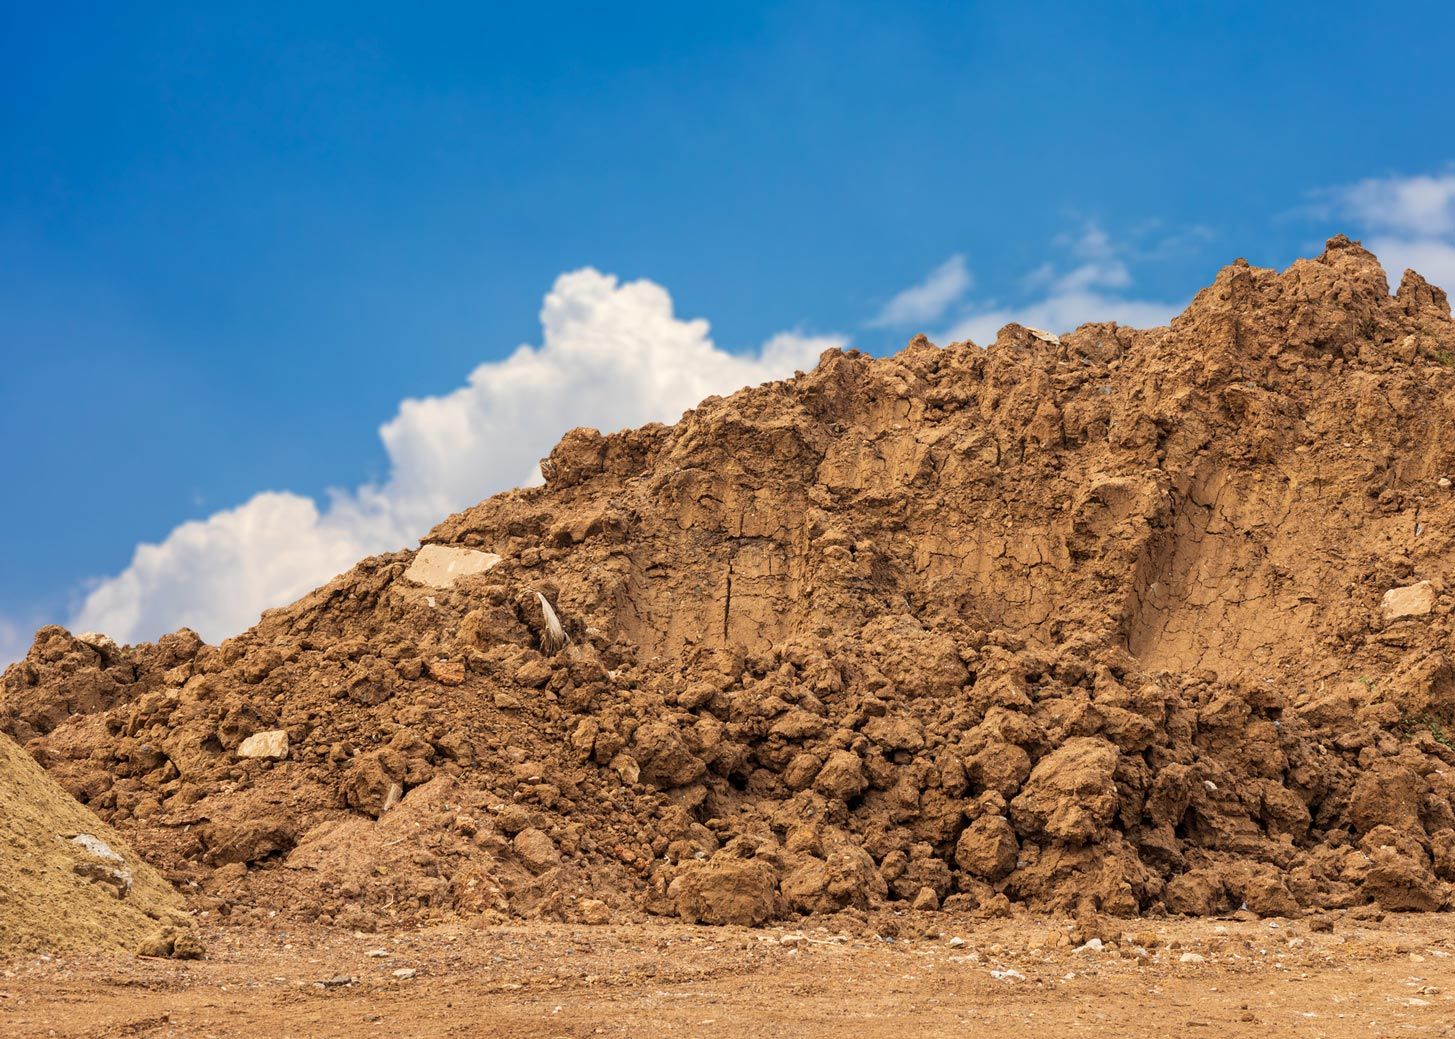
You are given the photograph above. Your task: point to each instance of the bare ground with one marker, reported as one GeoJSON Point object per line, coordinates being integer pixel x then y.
{"type": "Point", "coordinates": [1362, 978]}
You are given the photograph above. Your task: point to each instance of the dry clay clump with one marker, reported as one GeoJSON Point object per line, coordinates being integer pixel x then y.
{"type": "Point", "coordinates": [1119, 620]}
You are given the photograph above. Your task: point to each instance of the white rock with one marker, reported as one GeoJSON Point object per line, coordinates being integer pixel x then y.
{"type": "Point", "coordinates": [1009, 974]}
{"type": "Point", "coordinates": [105, 865]}
{"type": "Point", "coordinates": [957, 943]}
{"type": "Point", "coordinates": [1443, 483]}
{"type": "Point", "coordinates": [1094, 945]}
{"type": "Point", "coordinates": [270, 744]}
{"type": "Point", "coordinates": [404, 972]}
{"type": "Point", "coordinates": [1190, 957]}
{"type": "Point", "coordinates": [96, 846]}
{"type": "Point", "coordinates": [440, 566]}
{"type": "Point", "coordinates": [1413, 600]}
{"type": "Point", "coordinates": [96, 640]}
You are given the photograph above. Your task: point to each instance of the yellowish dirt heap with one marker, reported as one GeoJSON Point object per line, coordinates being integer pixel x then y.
{"type": "Point", "coordinates": [67, 882]}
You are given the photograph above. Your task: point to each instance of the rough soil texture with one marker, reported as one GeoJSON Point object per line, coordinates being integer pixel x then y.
{"type": "Point", "coordinates": [1128, 622]}
{"type": "Point", "coordinates": [67, 882]}
{"type": "Point", "coordinates": [1193, 977]}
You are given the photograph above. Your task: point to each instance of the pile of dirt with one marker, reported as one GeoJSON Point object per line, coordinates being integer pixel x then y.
{"type": "Point", "coordinates": [67, 882]}
{"type": "Point", "coordinates": [1126, 621]}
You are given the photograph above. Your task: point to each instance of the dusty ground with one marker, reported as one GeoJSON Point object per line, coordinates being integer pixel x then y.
{"type": "Point", "coordinates": [1362, 978]}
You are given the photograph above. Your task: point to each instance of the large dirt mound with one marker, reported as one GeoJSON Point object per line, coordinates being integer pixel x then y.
{"type": "Point", "coordinates": [67, 882]}
{"type": "Point", "coordinates": [1124, 620]}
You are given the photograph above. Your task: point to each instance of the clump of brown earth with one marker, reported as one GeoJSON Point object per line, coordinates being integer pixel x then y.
{"type": "Point", "coordinates": [1125, 621]}
{"type": "Point", "coordinates": [68, 882]}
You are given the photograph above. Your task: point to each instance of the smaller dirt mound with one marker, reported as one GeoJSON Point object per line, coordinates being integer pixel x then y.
{"type": "Point", "coordinates": [67, 882]}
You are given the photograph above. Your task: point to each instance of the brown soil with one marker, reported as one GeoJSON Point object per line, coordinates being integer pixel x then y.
{"type": "Point", "coordinates": [1191, 977]}
{"type": "Point", "coordinates": [58, 892]}
{"type": "Point", "coordinates": [1127, 622]}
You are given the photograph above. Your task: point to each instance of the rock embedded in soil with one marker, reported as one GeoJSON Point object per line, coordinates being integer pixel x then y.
{"type": "Point", "coordinates": [441, 566]}
{"type": "Point", "coordinates": [272, 744]}
{"type": "Point", "coordinates": [1093, 622]}
{"type": "Point", "coordinates": [1415, 600]}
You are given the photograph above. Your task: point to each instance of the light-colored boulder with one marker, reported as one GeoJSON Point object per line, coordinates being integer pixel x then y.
{"type": "Point", "coordinates": [271, 744]}
{"type": "Point", "coordinates": [1413, 600]}
{"type": "Point", "coordinates": [440, 566]}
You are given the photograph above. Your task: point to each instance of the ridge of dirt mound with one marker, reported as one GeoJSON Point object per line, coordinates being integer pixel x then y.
{"type": "Point", "coordinates": [1125, 621]}
{"type": "Point", "coordinates": [67, 882]}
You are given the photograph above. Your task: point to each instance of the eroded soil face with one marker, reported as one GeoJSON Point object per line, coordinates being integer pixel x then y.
{"type": "Point", "coordinates": [1126, 622]}
{"type": "Point", "coordinates": [1151, 978]}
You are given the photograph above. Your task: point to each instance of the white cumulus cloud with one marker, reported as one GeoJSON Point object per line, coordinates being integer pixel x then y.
{"type": "Point", "coordinates": [612, 355]}
{"type": "Point", "coordinates": [1089, 283]}
{"type": "Point", "coordinates": [1420, 205]}
{"type": "Point", "coordinates": [1407, 221]}
{"type": "Point", "coordinates": [927, 301]}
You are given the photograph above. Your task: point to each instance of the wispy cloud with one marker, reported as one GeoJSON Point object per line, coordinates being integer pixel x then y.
{"type": "Point", "coordinates": [1406, 220]}
{"type": "Point", "coordinates": [612, 355]}
{"type": "Point", "coordinates": [1088, 280]}
{"type": "Point", "coordinates": [1421, 205]}
{"type": "Point", "coordinates": [927, 301]}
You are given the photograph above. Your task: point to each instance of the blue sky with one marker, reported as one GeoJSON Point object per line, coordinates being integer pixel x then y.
{"type": "Point", "coordinates": [233, 241]}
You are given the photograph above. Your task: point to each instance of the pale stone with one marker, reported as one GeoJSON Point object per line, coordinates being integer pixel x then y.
{"type": "Point", "coordinates": [271, 744]}
{"type": "Point", "coordinates": [1414, 600]}
{"type": "Point", "coordinates": [96, 846]}
{"type": "Point", "coordinates": [440, 566]}
{"type": "Point", "coordinates": [110, 869]}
